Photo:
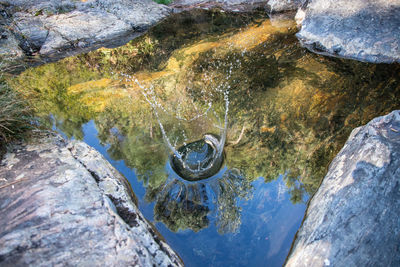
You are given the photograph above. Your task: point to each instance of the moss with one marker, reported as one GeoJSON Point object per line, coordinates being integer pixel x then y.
{"type": "Point", "coordinates": [164, 2]}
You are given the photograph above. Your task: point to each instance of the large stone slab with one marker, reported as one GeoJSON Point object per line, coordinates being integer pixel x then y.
{"type": "Point", "coordinates": [366, 30]}
{"type": "Point", "coordinates": [285, 5]}
{"type": "Point", "coordinates": [353, 219]}
{"type": "Point", "coordinates": [56, 29]}
{"type": "Point", "coordinates": [62, 203]}
{"type": "Point", "coordinates": [239, 5]}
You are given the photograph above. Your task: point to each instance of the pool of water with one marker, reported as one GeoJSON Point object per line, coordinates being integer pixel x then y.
{"type": "Point", "coordinates": [287, 113]}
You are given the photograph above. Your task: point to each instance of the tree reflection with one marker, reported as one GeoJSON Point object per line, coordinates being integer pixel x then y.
{"type": "Point", "coordinates": [296, 109]}
{"type": "Point", "coordinates": [184, 205]}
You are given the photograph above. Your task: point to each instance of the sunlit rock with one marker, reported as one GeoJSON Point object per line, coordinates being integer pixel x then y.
{"type": "Point", "coordinates": [284, 5]}
{"type": "Point", "coordinates": [353, 218]}
{"type": "Point", "coordinates": [54, 29]}
{"type": "Point", "coordinates": [363, 30]}
{"type": "Point", "coordinates": [230, 5]}
{"type": "Point", "coordinates": [62, 203]}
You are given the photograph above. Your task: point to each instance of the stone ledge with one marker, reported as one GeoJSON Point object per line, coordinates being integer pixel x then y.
{"type": "Point", "coordinates": [62, 203]}
{"type": "Point", "coordinates": [363, 30]}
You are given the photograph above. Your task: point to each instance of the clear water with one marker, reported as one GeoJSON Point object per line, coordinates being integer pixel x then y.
{"type": "Point", "coordinates": [290, 112]}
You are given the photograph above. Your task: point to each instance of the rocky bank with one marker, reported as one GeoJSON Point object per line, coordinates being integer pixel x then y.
{"type": "Point", "coordinates": [271, 6]}
{"type": "Point", "coordinates": [353, 218]}
{"type": "Point", "coordinates": [46, 30]}
{"type": "Point", "coordinates": [62, 203]}
{"type": "Point", "coordinates": [53, 29]}
{"type": "Point", "coordinates": [43, 30]}
{"type": "Point", "coordinates": [365, 30]}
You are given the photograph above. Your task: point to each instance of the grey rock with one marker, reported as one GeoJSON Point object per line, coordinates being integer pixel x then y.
{"type": "Point", "coordinates": [62, 203]}
{"type": "Point", "coordinates": [32, 30]}
{"type": "Point", "coordinates": [273, 6]}
{"type": "Point", "coordinates": [138, 14]}
{"type": "Point", "coordinates": [284, 5]}
{"type": "Point", "coordinates": [353, 219]}
{"type": "Point", "coordinates": [365, 30]}
{"type": "Point", "coordinates": [56, 29]}
{"type": "Point", "coordinates": [9, 46]}
{"type": "Point", "coordinates": [66, 30]}
{"type": "Point", "coordinates": [229, 5]}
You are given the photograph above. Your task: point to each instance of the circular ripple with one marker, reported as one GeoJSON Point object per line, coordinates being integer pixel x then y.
{"type": "Point", "coordinates": [199, 161]}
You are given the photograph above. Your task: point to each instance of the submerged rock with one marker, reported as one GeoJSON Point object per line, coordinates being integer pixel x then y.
{"type": "Point", "coordinates": [359, 29]}
{"type": "Point", "coordinates": [62, 203]}
{"type": "Point", "coordinates": [353, 218]}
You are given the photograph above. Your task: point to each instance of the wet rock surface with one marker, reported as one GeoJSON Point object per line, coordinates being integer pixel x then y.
{"type": "Point", "coordinates": [62, 203]}
{"type": "Point", "coordinates": [353, 218]}
{"type": "Point", "coordinates": [363, 30]}
{"type": "Point", "coordinates": [61, 28]}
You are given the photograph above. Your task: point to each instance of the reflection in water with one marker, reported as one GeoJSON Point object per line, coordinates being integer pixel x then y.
{"type": "Point", "coordinates": [188, 205]}
{"type": "Point", "coordinates": [289, 114]}
{"type": "Point", "coordinates": [200, 159]}
{"type": "Point", "coordinates": [196, 186]}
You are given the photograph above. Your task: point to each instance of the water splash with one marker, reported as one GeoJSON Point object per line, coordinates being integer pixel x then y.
{"type": "Point", "coordinates": [199, 159]}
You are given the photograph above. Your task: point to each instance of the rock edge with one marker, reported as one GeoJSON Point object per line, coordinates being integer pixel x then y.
{"type": "Point", "coordinates": [353, 218]}
{"type": "Point", "coordinates": [365, 30]}
{"type": "Point", "coordinates": [62, 203]}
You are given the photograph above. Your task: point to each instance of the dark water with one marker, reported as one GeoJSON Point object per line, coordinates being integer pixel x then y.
{"type": "Point", "coordinates": [289, 114]}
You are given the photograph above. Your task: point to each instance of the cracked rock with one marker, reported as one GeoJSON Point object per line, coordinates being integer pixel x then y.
{"type": "Point", "coordinates": [55, 29]}
{"type": "Point", "coordinates": [358, 29]}
{"type": "Point", "coordinates": [62, 203]}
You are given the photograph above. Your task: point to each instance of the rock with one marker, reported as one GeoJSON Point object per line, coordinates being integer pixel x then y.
{"type": "Point", "coordinates": [353, 218]}
{"type": "Point", "coordinates": [62, 203]}
{"type": "Point", "coordinates": [93, 28]}
{"type": "Point", "coordinates": [33, 30]}
{"type": "Point", "coordinates": [284, 5]}
{"type": "Point", "coordinates": [273, 6]}
{"type": "Point", "coordinates": [53, 29]}
{"type": "Point", "coordinates": [9, 46]}
{"type": "Point", "coordinates": [229, 5]}
{"type": "Point", "coordinates": [358, 29]}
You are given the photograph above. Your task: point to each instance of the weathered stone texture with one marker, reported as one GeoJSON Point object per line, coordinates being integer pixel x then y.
{"type": "Point", "coordinates": [366, 30]}
{"type": "Point", "coordinates": [284, 5]}
{"type": "Point", "coordinates": [63, 204]}
{"type": "Point", "coordinates": [50, 28]}
{"type": "Point", "coordinates": [230, 5]}
{"type": "Point", "coordinates": [353, 219]}
{"type": "Point", "coordinates": [240, 5]}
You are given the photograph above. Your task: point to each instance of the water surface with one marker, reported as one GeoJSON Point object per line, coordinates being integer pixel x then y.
{"type": "Point", "coordinates": [290, 112]}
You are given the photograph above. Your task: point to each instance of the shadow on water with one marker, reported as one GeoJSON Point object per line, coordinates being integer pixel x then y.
{"type": "Point", "coordinates": [290, 112]}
